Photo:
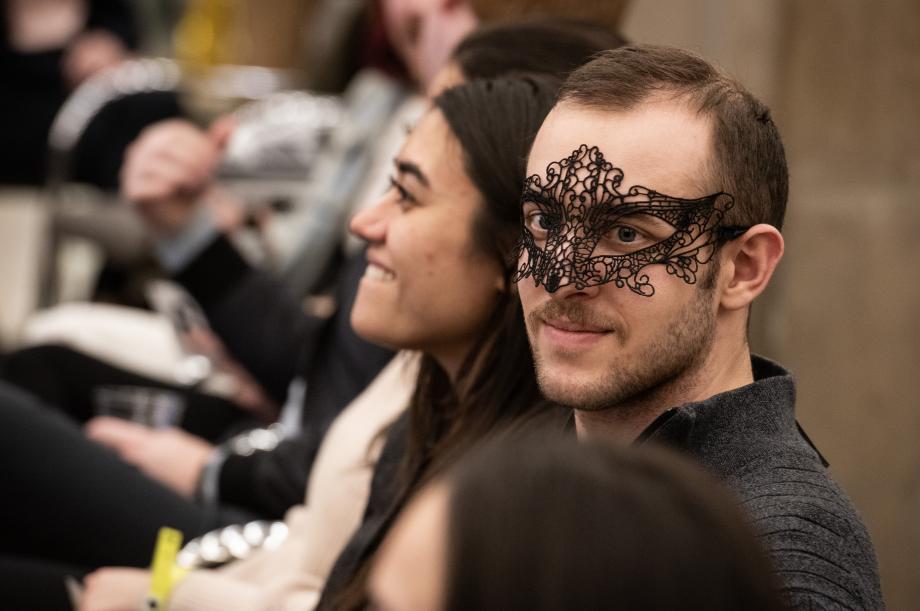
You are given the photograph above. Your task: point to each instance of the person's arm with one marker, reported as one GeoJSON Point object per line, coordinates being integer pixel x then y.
{"type": "Point", "coordinates": [168, 177]}
{"type": "Point", "coordinates": [209, 590]}
{"type": "Point", "coordinates": [819, 548]}
{"type": "Point", "coordinates": [260, 323]}
{"type": "Point", "coordinates": [820, 562]}
{"type": "Point", "coordinates": [115, 589]}
{"type": "Point", "coordinates": [342, 366]}
{"type": "Point", "coordinates": [125, 589]}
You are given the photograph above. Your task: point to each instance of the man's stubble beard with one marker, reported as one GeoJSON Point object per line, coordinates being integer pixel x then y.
{"type": "Point", "coordinates": [665, 366]}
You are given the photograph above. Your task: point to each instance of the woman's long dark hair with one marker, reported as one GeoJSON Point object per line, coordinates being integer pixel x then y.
{"type": "Point", "coordinates": [543, 523]}
{"type": "Point", "coordinates": [494, 122]}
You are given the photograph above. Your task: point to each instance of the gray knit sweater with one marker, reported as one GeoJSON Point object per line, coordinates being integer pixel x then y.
{"type": "Point", "coordinates": [749, 438]}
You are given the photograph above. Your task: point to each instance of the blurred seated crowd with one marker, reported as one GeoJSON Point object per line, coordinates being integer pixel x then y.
{"type": "Point", "coordinates": [449, 313]}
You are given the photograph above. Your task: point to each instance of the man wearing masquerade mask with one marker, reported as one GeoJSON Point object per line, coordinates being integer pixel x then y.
{"type": "Point", "coordinates": [651, 221]}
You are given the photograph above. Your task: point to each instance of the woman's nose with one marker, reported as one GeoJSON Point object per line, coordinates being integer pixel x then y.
{"type": "Point", "coordinates": [370, 224]}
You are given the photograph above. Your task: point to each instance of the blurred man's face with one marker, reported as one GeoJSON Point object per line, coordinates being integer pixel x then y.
{"type": "Point", "coordinates": [425, 32]}
{"type": "Point", "coordinates": [403, 21]}
{"type": "Point", "coordinates": [602, 343]}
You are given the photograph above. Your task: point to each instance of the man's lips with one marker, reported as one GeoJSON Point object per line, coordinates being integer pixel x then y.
{"type": "Point", "coordinates": [563, 324]}
{"type": "Point", "coordinates": [566, 334]}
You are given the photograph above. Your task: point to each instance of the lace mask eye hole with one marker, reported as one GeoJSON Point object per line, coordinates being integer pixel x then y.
{"type": "Point", "coordinates": [539, 222]}
{"type": "Point", "coordinates": [580, 227]}
{"type": "Point", "coordinates": [631, 234]}
{"type": "Point", "coordinates": [626, 235]}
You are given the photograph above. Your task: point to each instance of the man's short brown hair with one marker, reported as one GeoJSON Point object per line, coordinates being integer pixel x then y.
{"type": "Point", "coordinates": [748, 161]}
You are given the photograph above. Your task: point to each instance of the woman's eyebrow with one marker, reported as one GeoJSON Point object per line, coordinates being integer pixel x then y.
{"type": "Point", "coordinates": [407, 167]}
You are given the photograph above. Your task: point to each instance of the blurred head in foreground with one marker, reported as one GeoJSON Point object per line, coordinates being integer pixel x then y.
{"type": "Point", "coordinates": [540, 524]}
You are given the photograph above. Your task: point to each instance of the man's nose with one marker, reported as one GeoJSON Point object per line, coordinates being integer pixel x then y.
{"type": "Point", "coordinates": [566, 278]}
{"type": "Point", "coordinates": [571, 289]}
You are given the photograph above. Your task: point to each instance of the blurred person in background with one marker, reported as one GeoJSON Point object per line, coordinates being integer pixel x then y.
{"type": "Point", "coordinates": [552, 46]}
{"type": "Point", "coordinates": [259, 322]}
{"type": "Point", "coordinates": [437, 281]}
{"type": "Point", "coordinates": [652, 213]}
{"type": "Point", "coordinates": [48, 48]}
{"type": "Point", "coordinates": [547, 523]}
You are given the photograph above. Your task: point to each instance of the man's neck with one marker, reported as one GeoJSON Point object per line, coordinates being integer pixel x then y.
{"type": "Point", "coordinates": [722, 370]}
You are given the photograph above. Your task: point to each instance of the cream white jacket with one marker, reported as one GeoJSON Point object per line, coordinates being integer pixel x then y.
{"type": "Point", "coordinates": [292, 576]}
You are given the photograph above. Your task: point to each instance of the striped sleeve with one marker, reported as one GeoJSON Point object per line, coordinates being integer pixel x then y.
{"type": "Point", "coordinates": [819, 547]}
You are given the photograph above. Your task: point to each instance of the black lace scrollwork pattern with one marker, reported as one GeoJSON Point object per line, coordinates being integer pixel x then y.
{"type": "Point", "coordinates": [580, 203]}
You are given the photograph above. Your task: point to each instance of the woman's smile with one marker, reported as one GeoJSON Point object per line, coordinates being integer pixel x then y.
{"type": "Point", "coordinates": [378, 273]}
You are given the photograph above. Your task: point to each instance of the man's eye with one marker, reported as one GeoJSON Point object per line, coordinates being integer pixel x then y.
{"type": "Point", "coordinates": [543, 222]}
{"type": "Point", "coordinates": [538, 221]}
{"type": "Point", "coordinates": [626, 234]}
{"type": "Point", "coordinates": [622, 240]}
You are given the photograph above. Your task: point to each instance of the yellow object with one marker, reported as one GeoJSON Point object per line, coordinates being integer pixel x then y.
{"type": "Point", "coordinates": [165, 572]}
{"type": "Point", "coordinates": [205, 33]}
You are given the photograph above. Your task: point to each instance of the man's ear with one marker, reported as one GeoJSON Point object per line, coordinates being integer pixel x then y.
{"type": "Point", "coordinates": [748, 264]}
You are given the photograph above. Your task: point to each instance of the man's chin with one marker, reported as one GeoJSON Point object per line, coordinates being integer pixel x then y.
{"type": "Point", "coordinates": [572, 388]}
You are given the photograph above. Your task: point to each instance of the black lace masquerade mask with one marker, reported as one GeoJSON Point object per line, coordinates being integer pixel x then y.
{"type": "Point", "coordinates": [578, 228]}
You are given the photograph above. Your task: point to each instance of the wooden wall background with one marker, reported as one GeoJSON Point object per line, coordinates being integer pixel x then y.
{"type": "Point", "coordinates": [843, 80]}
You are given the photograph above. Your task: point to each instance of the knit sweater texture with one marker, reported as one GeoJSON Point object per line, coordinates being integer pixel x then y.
{"type": "Point", "coordinates": [748, 437]}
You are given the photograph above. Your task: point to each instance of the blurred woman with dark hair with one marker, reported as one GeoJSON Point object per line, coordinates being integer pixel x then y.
{"type": "Point", "coordinates": [550, 524]}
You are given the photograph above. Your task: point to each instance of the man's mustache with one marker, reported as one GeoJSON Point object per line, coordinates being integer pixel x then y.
{"type": "Point", "coordinates": [573, 311]}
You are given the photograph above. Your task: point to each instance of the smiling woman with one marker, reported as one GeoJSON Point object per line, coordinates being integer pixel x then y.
{"type": "Point", "coordinates": [455, 198]}
{"type": "Point", "coordinates": [427, 286]}
{"type": "Point", "coordinates": [439, 245]}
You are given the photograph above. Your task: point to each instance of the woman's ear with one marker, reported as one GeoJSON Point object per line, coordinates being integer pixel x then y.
{"type": "Point", "coordinates": [748, 264]}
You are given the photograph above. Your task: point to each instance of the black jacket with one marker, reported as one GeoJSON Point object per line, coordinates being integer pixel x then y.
{"type": "Point", "coordinates": [265, 328]}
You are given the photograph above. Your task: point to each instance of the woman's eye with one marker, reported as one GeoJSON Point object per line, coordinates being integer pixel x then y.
{"type": "Point", "coordinates": [403, 195]}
